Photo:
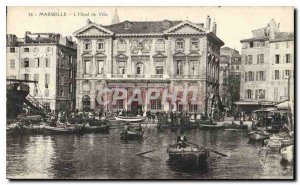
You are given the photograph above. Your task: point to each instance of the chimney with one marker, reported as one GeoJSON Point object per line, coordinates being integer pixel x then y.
{"type": "Point", "coordinates": [214, 29]}
{"type": "Point", "coordinates": [208, 22]}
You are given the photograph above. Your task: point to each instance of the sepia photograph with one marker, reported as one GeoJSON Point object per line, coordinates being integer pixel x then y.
{"type": "Point", "coordinates": [150, 93]}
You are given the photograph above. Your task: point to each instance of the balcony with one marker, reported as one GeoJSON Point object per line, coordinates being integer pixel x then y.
{"type": "Point", "coordinates": [157, 76]}
{"type": "Point", "coordinates": [117, 75]}
{"type": "Point", "coordinates": [136, 76]}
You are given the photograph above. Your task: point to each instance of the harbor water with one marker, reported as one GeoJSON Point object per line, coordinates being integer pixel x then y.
{"type": "Point", "coordinates": [105, 156]}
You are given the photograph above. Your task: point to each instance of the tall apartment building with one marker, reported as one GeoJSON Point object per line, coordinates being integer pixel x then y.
{"type": "Point", "coordinates": [49, 59]}
{"type": "Point", "coordinates": [230, 74]}
{"type": "Point", "coordinates": [165, 55]}
{"type": "Point", "coordinates": [267, 63]}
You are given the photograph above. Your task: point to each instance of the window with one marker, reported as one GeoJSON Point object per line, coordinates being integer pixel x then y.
{"type": "Point", "coordinates": [37, 62]}
{"type": "Point", "coordinates": [287, 44]}
{"type": "Point", "coordinates": [179, 44]}
{"type": "Point", "coordinates": [288, 58]}
{"type": "Point", "coordinates": [47, 79]}
{"type": "Point", "coordinates": [70, 87]}
{"type": "Point", "coordinates": [193, 67]}
{"type": "Point", "coordinates": [179, 107]}
{"type": "Point", "coordinates": [249, 94]}
{"type": "Point", "coordinates": [261, 94]}
{"type": "Point", "coordinates": [277, 58]}
{"type": "Point", "coordinates": [160, 45]}
{"type": "Point", "coordinates": [194, 44]}
{"type": "Point", "coordinates": [47, 62]}
{"type": "Point", "coordinates": [35, 91]}
{"type": "Point", "coordinates": [100, 45]}
{"type": "Point", "coordinates": [251, 44]}
{"type": "Point", "coordinates": [237, 67]}
{"type": "Point", "coordinates": [36, 50]}
{"type": "Point", "coordinates": [193, 108]}
{"type": "Point", "coordinates": [26, 50]}
{"type": "Point", "coordinates": [224, 73]}
{"type": "Point", "coordinates": [232, 67]}
{"type": "Point", "coordinates": [119, 104]}
{"type": "Point", "coordinates": [287, 73]}
{"type": "Point", "coordinates": [155, 104]}
{"type": "Point", "coordinates": [179, 67]}
{"type": "Point", "coordinates": [159, 69]}
{"type": "Point", "coordinates": [249, 59]}
{"type": "Point", "coordinates": [251, 76]}
{"type": "Point", "coordinates": [26, 77]}
{"type": "Point", "coordinates": [12, 50]}
{"type": "Point", "coordinates": [36, 77]}
{"type": "Point", "coordinates": [100, 67]}
{"type": "Point", "coordinates": [260, 59]}
{"type": "Point", "coordinates": [121, 46]}
{"type": "Point", "coordinates": [47, 106]}
{"type": "Point", "coordinates": [26, 62]}
{"type": "Point", "coordinates": [87, 45]}
{"type": "Point", "coordinates": [276, 74]}
{"type": "Point", "coordinates": [139, 68]}
{"type": "Point", "coordinates": [87, 66]}
{"type": "Point", "coordinates": [86, 102]}
{"type": "Point", "coordinates": [262, 44]}
{"type": "Point", "coordinates": [246, 59]}
{"type": "Point", "coordinates": [276, 45]}
{"type": "Point", "coordinates": [121, 67]}
{"type": "Point", "coordinates": [261, 75]}
{"type": "Point", "coordinates": [12, 64]}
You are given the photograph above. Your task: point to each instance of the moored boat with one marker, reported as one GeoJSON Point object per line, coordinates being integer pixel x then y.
{"type": "Point", "coordinates": [287, 153]}
{"type": "Point", "coordinates": [131, 119]}
{"type": "Point", "coordinates": [62, 130]}
{"type": "Point", "coordinates": [96, 129]}
{"type": "Point", "coordinates": [258, 135]}
{"type": "Point", "coordinates": [189, 155]}
{"type": "Point", "coordinates": [210, 127]}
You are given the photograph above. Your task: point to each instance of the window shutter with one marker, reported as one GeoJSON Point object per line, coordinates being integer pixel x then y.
{"type": "Point", "coordinates": [273, 59]}
{"type": "Point", "coordinates": [22, 62]}
{"type": "Point", "coordinates": [31, 63]}
{"type": "Point", "coordinates": [256, 75]}
{"type": "Point", "coordinates": [273, 75]}
{"type": "Point", "coordinates": [246, 59]}
{"type": "Point", "coordinates": [245, 76]}
{"type": "Point", "coordinates": [291, 58]}
{"type": "Point", "coordinates": [256, 93]}
{"type": "Point", "coordinates": [283, 73]}
{"type": "Point", "coordinates": [264, 77]}
{"type": "Point", "coordinates": [283, 59]}
{"type": "Point", "coordinates": [246, 94]}
{"type": "Point", "coordinates": [258, 59]}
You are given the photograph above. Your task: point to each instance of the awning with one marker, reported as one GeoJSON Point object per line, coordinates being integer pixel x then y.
{"type": "Point", "coordinates": [269, 109]}
{"type": "Point", "coordinates": [283, 105]}
{"type": "Point", "coordinates": [246, 103]}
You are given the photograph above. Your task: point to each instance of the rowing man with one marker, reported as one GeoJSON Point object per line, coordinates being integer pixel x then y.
{"type": "Point", "coordinates": [181, 140]}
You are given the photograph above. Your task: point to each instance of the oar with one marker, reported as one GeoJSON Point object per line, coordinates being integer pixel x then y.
{"type": "Point", "coordinates": [214, 151]}
{"type": "Point", "coordinates": [149, 151]}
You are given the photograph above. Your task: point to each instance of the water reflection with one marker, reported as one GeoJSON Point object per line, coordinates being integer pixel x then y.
{"type": "Point", "coordinates": [106, 156]}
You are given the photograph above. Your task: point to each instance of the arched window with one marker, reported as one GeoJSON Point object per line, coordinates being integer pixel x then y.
{"type": "Point", "coordinates": [139, 68]}
{"type": "Point", "coordinates": [160, 45]}
{"type": "Point", "coordinates": [121, 45]}
{"type": "Point", "coordinates": [249, 94]}
{"type": "Point", "coordinates": [86, 102]}
{"type": "Point", "coordinates": [180, 44]}
{"type": "Point", "coordinates": [100, 45]}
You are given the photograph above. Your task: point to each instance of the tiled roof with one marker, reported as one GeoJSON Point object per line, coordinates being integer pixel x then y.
{"type": "Point", "coordinates": [283, 36]}
{"type": "Point", "coordinates": [256, 39]}
{"type": "Point", "coordinates": [141, 27]}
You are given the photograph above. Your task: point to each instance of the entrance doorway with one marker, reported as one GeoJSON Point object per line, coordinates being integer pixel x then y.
{"type": "Point", "coordinates": [136, 108]}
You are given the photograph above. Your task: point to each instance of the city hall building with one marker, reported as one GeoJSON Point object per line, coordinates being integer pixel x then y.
{"type": "Point", "coordinates": [164, 55]}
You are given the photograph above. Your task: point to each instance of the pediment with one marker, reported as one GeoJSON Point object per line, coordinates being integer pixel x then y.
{"type": "Point", "coordinates": [194, 54]}
{"type": "Point", "coordinates": [179, 54]}
{"type": "Point", "coordinates": [159, 55]}
{"type": "Point", "coordinates": [100, 55]}
{"type": "Point", "coordinates": [121, 56]}
{"type": "Point", "coordinates": [185, 27]}
{"type": "Point", "coordinates": [93, 30]}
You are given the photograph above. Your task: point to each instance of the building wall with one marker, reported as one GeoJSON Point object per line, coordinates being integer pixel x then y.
{"type": "Point", "coordinates": [278, 88]}
{"type": "Point", "coordinates": [255, 67]}
{"type": "Point", "coordinates": [204, 81]}
{"type": "Point", "coordinates": [12, 70]}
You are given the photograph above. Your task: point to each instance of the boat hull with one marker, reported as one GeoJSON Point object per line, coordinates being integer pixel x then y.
{"type": "Point", "coordinates": [131, 135]}
{"type": "Point", "coordinates": [195, 156]}
{"type": "Point", "coordinates": [210, 127]}
{"type": "Point", "coordinates": [130, 119]}
{"type": "Point", "coordinates": [257, 136]}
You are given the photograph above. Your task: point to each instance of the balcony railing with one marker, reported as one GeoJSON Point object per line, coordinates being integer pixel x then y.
{"type": "Point", "coordinates": [136, 76]}
{"type": "Point", "coordinates": [117, 75]}
{"type": "Point", "coordinates": [156, 76]}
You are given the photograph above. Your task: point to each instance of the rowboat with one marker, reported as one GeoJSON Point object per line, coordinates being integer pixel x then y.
{"type": "Point", "coordinates": [235, 127]}
{"type": "Point", "coordinates": [287, 153]}
{"type": "Point", "coordinates": [132, 134]}
{"type": "Point", "coordinates": [189, 155]}
{"type": "Point", "coordinates": [258, 135]}
{"type": "Point", "coordinates": [131, 119]}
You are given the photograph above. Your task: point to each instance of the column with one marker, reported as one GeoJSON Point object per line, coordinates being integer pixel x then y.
{"type": "Point", "coordinates": [93, 95]}
{"type": "Point", "coordinates": [146, 100]}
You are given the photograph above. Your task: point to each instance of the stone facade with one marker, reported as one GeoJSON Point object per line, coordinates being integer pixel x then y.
{"type": "Point", "coordinates": [48, 59]}
{"type": "Point", "coordinates": [258, 83]}
{"type": "Point", "coordinates": [164, 55]}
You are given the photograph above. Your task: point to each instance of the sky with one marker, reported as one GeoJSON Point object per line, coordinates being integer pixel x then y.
{"type": "Point", "coordinates": [233, 23]}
